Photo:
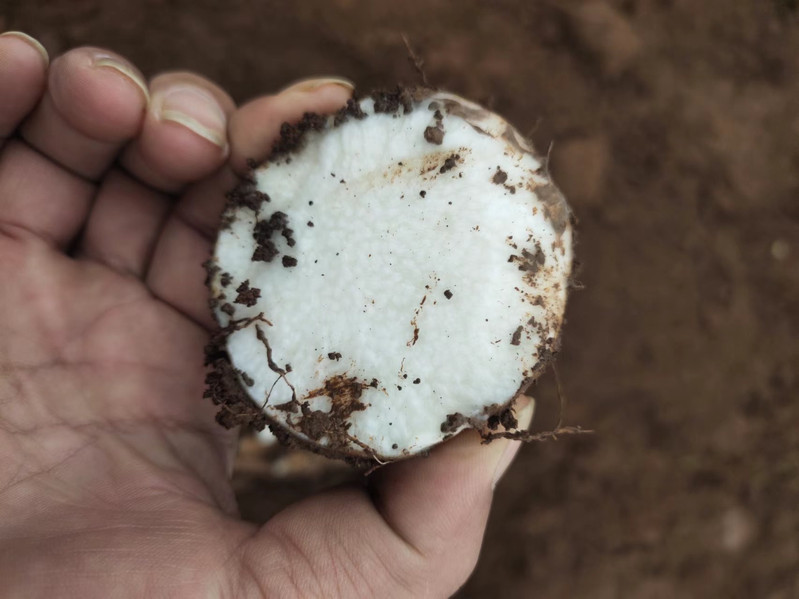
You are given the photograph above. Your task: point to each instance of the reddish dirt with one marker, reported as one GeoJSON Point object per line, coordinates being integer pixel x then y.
{"type": "Point", "coordinates": [674, 131]}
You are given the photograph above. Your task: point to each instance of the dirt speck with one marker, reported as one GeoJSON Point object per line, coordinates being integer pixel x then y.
{"type": "Point", "coordinates": [344, 393]}
{"type": "Point", "coordinates": [499, 177]}
{"type": "Point", "coordinates": [247, 296]}
{"type": "Point", "coordinates": [450, 163]}
{"type": "Point", "coordinates": [434, 135]}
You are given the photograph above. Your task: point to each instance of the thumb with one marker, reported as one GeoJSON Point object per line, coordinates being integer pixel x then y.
{"type": "Point", "coordinates": [416, 531]}
{"type": "Point", "coordinates": [440, 505]}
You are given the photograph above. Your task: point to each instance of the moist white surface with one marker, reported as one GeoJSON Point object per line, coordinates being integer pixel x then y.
{"type": "Point", "coordinates": [375, 269]}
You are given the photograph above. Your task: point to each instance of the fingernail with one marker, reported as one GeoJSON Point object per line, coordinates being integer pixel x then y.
{"type": "Point", "coordinates": [309, 85]}
{"type": "Point", "coordinates": [29, 40]}
{"type": "Point", "coordinates": [525, 408]}
{"type": "Point", "coordinates": [195, 109]}
{"type": "Point", "coordinates": [105, 61]}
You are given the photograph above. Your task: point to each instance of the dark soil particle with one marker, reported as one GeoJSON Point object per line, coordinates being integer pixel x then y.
{"type": "Point", "coordinates": [264, 230]}
{"type": "Point", "coordinates": [248, 296]}
{"type": "Point", "coordinates": [287, 233]}
{"type": "Point", "coordinates": [516, 339]}
{"type": "Point", "coordinates": [450, 163]}
{"type": "Point", "coordinates": [503, 417]}
{"type": "Point", "coordinates": [211, 270]}
{"type": "Point", "coordinates": [493, 422]}
{"type": "Point", "coordinates": [246, 196]}
{"type": "Point", "coordinates": [434, 135]}
{"type": "Point", "coordinates": [310, 223]}
{"type": "Point", "coordinates": [454, 422]}
{"type": "Point", "coordinates": [314, 423]}
{"type": "Point", "coordinates": [529, 262]}
{"type": "Point", "coordinates": [334, 356]}
{"type": "Point", "coordinates": [225, 279]}
{"type": "Point", "coordinates": [508, 419]}
{"type": "Point", "coordinates": [228, 309]}
{"type": "Point", "coordinates": [447, 294]}
{"type": "Point", "coordinates": [500, 177]}
{"type": "Point", "coordinates": [352, 109]}
{"type": "Point", "coordinates": [423, 193]}
{"type": "Point", "coordinates": [344, 393]}
{"type": "Point", "coordinates": [292, 136]}
{"type": "Point", "coordinates": [278, 221]}
{"type": "Point", "coordinates": [417, 381]}
{"type": "Point", "coordinates": [292, 407]}
{"type": "Point", "coordinates": [265, 252]}
{"type": "Point", "coordinates": [246, 378]}
{"type": "Point", "coordinates": [392, 100]}
{"type": "Point", "coordinates": [289, 261]}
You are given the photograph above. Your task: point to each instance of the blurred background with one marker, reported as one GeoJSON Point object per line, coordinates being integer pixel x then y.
{"type": "Point", "coordinates": [674, 132]}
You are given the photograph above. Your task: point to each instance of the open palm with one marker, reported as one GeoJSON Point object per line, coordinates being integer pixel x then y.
{"type": "Point", "coordinates": [114, 477]}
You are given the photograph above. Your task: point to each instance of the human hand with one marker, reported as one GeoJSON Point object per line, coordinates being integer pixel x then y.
{"type": "Point", "coordinates": [114, 477]}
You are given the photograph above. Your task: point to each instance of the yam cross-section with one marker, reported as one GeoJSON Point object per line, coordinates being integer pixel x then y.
{"type": "Point", "coordinates": [394, 273]}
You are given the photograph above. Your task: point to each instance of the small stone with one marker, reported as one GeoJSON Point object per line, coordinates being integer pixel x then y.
{"type": "Point", "coordinates": [780, 250]}
{"type": "Point", "coordinates": [607, 35]}
{"type": "Point", "coordinates": [737, 530]}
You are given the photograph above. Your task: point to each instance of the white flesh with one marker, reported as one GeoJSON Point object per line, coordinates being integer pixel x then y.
{"type": "Point", "coordinates": [375, 266]}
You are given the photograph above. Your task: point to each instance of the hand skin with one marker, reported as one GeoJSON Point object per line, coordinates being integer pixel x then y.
{"type": "Point", "coordinates": [114, 477]}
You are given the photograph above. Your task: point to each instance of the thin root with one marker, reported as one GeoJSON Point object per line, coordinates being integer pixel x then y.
{"type": "Point", "coordinates": [416, 60]}
{"type": "Point", "coordinates": [527, 436]}
{"type": "Point", "coordinates": [379, 463]}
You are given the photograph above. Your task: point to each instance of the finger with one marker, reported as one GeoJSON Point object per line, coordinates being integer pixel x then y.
{"type": "Point", "coordinates": [187, 238]}
{"type": "Point", "coordinates": [124, 224]}
{"type": "Point", "coordinates": [440, 505]}
{"type": "Point", "coordinates": [256, 125]}
{"type": "Point", "coordinates": [184, 137]}
{"type": "Point", "coordinates": [23, 73]}
{"type": "Point", "coordinates": [253, 130]}
{"type": "Point", "coordinates": [93, 103]}
{"type": "Point", "coordinates": [418, 535]}
{"type": "Point", "coordinates": [49, 202]}
{"type": "Point", "coordinates": [180, 138]}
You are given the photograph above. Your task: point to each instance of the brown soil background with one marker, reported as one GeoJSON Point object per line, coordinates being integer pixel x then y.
{"type": "Point", "coordinates": [675, 126]}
